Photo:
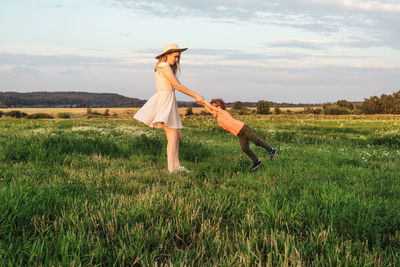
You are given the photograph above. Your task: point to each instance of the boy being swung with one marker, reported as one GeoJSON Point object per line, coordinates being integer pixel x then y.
{"type": "Point", "coordinates": [241, 130]}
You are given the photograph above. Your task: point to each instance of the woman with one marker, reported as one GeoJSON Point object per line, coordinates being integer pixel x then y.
{"type": "Point", "coordinates": [161, 110]}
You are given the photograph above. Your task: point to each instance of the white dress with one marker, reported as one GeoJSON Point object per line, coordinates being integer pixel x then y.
{"type": "Point", "coordinates": [161, 108]}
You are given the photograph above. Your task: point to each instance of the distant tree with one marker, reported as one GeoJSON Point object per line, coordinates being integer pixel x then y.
{"type": "Point", "coordinates": [1, 113]}
{"type": "Point", "coordinates": [336, 110]}
{"type": "Point", "coordinates": [63, 115]}
{"type": "Point", "coordinates": [326, 105]}
{"type": "Point", "coordinates": [204, 113]}
{"type": "Point", "coordinates": [390, 104]}
{"type": "Point", "coordinates": [277, 110]}
{"type": "Point", "coordinates": [189, 111]}
{"type": "Point", "coordinates": [39, 116]}
{"type": "Point", "coordinates": [317, 111]}
{"type": "Point", "coordinates": [308, 110]}
{"type": "Point", "coordinates": [237, 105]}
{"type": "Point", "coordinates": [244, 111]}
{"type": "Point", "coordinates": [106, 112]}
{"type": "Point", "coordinates": [345, 104]}
{"type": "Point", "coordinates": [15, 114]}
{"type": "Point", "coordinates": [371, 105]}
{"type": "Point", "coordinates": [385, 104]}
{"type": "Point", "coordinates": [263, 107]}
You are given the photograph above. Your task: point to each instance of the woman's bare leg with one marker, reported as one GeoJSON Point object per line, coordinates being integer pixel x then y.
{"type": "Point", "coordinates": [173, 136]}
{"type": "Point", "coordinates": [177, 163]}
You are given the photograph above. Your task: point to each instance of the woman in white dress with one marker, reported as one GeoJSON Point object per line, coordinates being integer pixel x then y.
{"type": "Point", "coordinates": [161, 110]}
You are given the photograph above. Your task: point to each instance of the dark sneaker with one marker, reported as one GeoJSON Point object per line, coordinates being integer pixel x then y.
{"type": "Point", "coordinates": [255, 165]}
{"type": "Point", "coordinates": [272, 154]}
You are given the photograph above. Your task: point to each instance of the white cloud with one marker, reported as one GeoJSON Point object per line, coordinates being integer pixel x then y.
{"type": "Point", "coordinates": [377, 20]}
{"type": "Point", "coordinates": [55, 60]}
{"type": "Point", "coordinates": [371, 6]}
{"type": "Point", "coordinates": [23, 70]}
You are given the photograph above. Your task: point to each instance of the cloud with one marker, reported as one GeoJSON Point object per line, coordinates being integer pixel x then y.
{"type": "Point", "coordinates": [378, 20]}
{"type": "Point", "coordinates": [125, 34]}
{"type": "Point", "coordinates": [293, 84]}
{"type": "Point", "coordinates": [323, 44]}
{"type": "Point", "coordinates": [55, 60]}
{"type": "Point", "coordinates": [303, 44]}
{"type": "Point", "coordinates": [232, 82]}
{"type": "Point", "coordinates": [239, 55]}
{"type": "Point", "coordinates": [371, 6]}
{"type": "Point", "coordinates": [70, 72]}
{"type": "Point", "coordinates": [23, 70]}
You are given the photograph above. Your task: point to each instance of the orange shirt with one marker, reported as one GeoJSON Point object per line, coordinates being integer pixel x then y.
{"type": "Point", "coordinates": [226, 121]}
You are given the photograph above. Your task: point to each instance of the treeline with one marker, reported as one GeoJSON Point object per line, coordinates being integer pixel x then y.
{"type": "Point", "coordinates": [385, 104]}
{"type": "Point", "coordinates": [66, 99]}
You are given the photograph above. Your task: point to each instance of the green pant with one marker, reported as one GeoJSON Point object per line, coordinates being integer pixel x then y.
{"type": "Point", "coordinates": [245, 135]}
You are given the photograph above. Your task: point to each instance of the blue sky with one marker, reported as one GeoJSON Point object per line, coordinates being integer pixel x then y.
{"type": "Point", "coordinates": [279, 50]}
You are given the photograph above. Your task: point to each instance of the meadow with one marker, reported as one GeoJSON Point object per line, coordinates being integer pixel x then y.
{"type": "Point", "coordinates": [80, 192]}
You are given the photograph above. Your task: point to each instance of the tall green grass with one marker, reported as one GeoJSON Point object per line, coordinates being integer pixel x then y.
{"type": "Point", "coordinates": [97, 192]}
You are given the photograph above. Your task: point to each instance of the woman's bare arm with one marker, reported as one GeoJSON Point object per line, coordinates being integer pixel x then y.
{"type": "Point", "coordinates": [167, 72]}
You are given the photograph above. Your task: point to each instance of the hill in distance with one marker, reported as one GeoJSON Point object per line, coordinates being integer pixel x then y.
{"type": "Point", "coordinates": [67, 99]}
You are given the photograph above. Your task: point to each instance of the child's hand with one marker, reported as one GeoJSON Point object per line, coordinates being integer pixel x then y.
{"type": "Point", "coordinates": [210, 108]}
{"type": "Point", "coordinates": [199, 100]}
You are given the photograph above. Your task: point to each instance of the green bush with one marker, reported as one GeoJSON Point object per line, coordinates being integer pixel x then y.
{"type": "Point", "coordinates": [204, 113]}
{"type": "Point", "coordinates": [244, 111]}
{"type": "Point", "coordinates": [336, 110]}
{"type": "Point", "coordinates": [39, 116]}
{"type": "Point", "coordinates": [237, 105]}
{"type": "Point", "coordinates": [317, 111]}
{"type": "Point", "coordinates": [63, 115]}
{"type": "Point", "coordinates": [1, 113]}
{"type": "Point", "coordinates": [310, 110]}
{"type": "Point", "coordinates": [263, 107]}
{"type": "Point", "coordinates": [15, 114]}
{"type": "Point", "coordinates": [189, 111]}
{"type": "Point", "coordinates": [345, 104]}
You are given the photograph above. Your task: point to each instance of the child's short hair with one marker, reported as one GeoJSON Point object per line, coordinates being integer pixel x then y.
{"type": "Point", "coordinates": [219, 102]}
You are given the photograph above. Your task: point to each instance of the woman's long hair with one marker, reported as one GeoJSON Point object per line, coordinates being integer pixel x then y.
{"type": "Point", "coordinates": [175, 67]}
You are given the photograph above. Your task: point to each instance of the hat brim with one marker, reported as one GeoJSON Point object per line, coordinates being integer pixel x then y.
{"type": "Point", "coordinates": [171, 51]}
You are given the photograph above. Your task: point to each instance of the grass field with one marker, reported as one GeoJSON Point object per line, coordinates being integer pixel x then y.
{"type": "Point", "coordinates": [97, 193]}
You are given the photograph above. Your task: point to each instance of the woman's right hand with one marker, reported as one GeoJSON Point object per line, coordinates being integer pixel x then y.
{"type": "Point", "coordinates": [199, 100]}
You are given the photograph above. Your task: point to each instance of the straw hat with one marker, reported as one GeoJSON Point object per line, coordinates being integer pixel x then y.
{"type": "Point", "coordinates": [169, 48]}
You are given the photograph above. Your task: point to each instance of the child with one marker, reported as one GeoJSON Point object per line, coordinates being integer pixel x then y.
{"type": "Point", "coordinates": [241, 130]}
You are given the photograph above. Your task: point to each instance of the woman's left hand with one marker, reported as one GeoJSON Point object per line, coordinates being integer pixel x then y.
{"type": "Point", "coordinates": [199, 100]}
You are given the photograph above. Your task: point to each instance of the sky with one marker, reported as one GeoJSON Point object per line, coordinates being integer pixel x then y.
{"type": "Point", "coordinates": [312, 51]}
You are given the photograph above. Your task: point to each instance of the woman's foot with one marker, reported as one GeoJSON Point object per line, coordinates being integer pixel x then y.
{"type": "Point", "coordinates": [181, 169]}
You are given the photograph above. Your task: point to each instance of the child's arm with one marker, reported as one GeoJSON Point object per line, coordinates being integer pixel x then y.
{"type": "Point", "coordinates": [210, 108]}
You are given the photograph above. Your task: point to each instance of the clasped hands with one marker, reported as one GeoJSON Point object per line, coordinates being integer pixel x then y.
{"type": "Point", "coordinates": [199, 100]}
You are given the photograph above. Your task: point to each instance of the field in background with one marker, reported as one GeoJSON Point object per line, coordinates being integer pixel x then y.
{"type": "Point", "coordinates": [75, 112]}
{"type": "Point", "coordinates": [96, 192]}
{"type": "Point", "coordinates": [122, 112]}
